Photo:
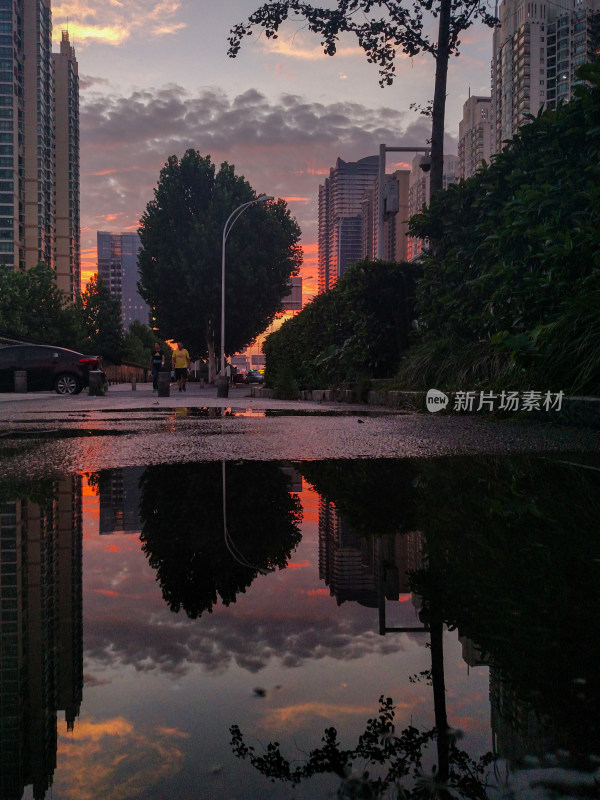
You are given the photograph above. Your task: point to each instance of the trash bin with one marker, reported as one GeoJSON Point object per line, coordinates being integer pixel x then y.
{"type": "Point", "coordinates": [20, 380]}
{"type": "Point", "coordinates": [164, 384]}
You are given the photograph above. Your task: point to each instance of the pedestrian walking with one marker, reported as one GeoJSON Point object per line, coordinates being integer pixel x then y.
{"type": "Point", "coordinates": [181, 362]}
{"type": "Point", "coordinates": [157, 362]}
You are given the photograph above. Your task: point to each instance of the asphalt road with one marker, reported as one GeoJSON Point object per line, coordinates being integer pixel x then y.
{"type": "Point", "coordinates": [43, 434]}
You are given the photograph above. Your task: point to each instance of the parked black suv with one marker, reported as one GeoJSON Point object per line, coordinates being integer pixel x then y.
{"type": "Point", "coordinates": [47, 367]}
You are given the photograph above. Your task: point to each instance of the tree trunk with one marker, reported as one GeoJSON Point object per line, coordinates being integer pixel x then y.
{"type": "Point", "coordinates": [439, 99]}
{"type": "Point", "coordinates": [439, 698]}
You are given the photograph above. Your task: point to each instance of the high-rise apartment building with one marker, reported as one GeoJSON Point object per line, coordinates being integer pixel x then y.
{"type": "Point", "coordinates": [537, 50]}
{"type": "Point", "coordinates": [12, 135]}
{"type": "Point", "coordinates": [474, 136]}
{"type": "Point", "coordinates": [340, 217]}
{"type": "Point", "coordinates": [39, 130]}
{"type": "Point", "coordinates": [37, 184]}
{"type": "Point", "coordinates": [118, 268]}
{"type": "Point", "coordinates": [67, 257]}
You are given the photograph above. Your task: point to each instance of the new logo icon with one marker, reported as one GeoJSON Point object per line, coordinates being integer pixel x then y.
{"type": "Point", "coordinates": [435, 400]}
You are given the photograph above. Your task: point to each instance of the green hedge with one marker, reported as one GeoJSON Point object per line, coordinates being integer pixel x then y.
{"type": "Point", "coordinates": [356, 331]}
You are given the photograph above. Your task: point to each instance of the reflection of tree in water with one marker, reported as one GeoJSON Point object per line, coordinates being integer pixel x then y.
{"type": "Point", "coordinates": [182, 529]}
{"type": "Point", "coordinates": [513, 562]}
{"type": "Point", "coordinates": [384, 763]}
{"type": "Point", "coordinates": [515, 565]}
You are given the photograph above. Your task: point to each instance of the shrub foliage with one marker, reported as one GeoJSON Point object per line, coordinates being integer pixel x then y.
{"type": "Point", "coordinates": [356, 330]}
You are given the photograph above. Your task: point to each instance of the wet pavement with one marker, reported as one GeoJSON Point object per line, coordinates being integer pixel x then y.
{"type": "Point", "coordinates": [44, 434]}
{"type": "Point", "coordinates": [202, 576]}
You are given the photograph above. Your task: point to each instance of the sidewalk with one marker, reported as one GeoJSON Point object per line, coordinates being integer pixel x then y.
{"type": "Point", "coordinates": [583, 412]}
{"type": "Point", "coordinates": [122, 397]}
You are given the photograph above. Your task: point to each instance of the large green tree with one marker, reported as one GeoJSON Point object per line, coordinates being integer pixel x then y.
{"type": "Point", "coordinates": [393, 27]}
{"type": "Point", "coordinates": [180, 261]}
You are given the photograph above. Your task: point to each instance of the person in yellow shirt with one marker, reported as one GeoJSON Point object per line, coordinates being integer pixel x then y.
{"type": "Point", "coordinates": [181, 362]}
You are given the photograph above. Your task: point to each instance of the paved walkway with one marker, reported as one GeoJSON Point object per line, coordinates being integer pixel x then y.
{"type": "Point", "coordinates": [123, 397]}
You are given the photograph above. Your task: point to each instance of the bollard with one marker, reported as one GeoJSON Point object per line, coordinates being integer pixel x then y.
{"type": "Point", "coordinates": [20, 380]}
{"type": "Point", "coordinates": [133, 384]}
{"type": "Point", "coordinates": [96, 385]}
{"type": "Point", "coordinates": [164, 384]}
{"type": "Point", "coordinates": [222, 386]}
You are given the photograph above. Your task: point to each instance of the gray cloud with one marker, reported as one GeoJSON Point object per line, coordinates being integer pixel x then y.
{"type": "Point", "coordinates": [173, 644]}
{"type": "Point", "coordinates": [284, 148]}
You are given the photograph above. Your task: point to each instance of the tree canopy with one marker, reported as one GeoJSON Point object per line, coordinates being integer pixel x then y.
{"type": "Point", "coordinates": [101, 321]}
{"type": "Point", "coordinates": [180, 260]}
{"type": "Point", "coordinates": [34, 309]}
{"type": "Point", "coordinates": [190, 552]}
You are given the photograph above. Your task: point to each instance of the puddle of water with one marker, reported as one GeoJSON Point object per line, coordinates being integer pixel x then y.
{"type": "Point", "coordinates": [179, 604]}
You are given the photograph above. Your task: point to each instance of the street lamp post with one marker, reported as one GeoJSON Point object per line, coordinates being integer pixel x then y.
{"type": "Point", "coordinates": [222, 385]}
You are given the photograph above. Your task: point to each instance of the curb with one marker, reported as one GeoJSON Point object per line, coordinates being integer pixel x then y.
{"type": "Point", "coordinates": [575, 411]}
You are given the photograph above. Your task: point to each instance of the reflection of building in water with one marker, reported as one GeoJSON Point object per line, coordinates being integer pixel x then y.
{"type": "Point", "coordinates": [353, 566]}
{"type": "Point", "coordinates": [295, 479]}
{"type": "Point", "coordinates": [471, 653]}
{"type": "Point", "coordinates": [41, 636]}
{"type": "Point", "coordinates": [515, 727]}
{"type": "Point", "coordinates": [120, 501]}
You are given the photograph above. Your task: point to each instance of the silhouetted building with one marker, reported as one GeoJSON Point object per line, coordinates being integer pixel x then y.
{"type": "Point", "coordinates": [120, 501]}
{"type": "Point", "coordinates": [474, 136]}
{"type": "Point", "coordinates": [118, 268]}
{"type": "Point", "coordinates": [395, 225]}
{"type": "Point", "coordinates": [340, 217]}
{"type": "Point", "coordinates": [66, 169]}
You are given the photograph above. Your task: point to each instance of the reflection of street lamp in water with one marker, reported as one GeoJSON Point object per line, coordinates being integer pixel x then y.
{"type": "Point", "coordinates": [229, 544]}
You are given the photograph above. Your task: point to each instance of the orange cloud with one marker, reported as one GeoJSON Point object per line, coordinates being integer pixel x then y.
{"type": "Point", "coordinates": [294, 47]}
{"type": "Point", "coordinates": [111, 758]}
{"type": "Point", "coordinates": [113, 22]}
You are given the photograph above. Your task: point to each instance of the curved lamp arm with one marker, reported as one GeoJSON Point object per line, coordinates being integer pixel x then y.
{"type": "Point", "coordinates": [231, 220]}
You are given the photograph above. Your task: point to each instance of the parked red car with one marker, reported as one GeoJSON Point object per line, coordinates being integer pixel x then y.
{"type": "Point", "coordinates": [47, 368]}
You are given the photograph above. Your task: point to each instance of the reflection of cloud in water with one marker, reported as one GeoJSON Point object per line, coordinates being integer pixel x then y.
{"type": "Point", "coordinates": [111, 758]}
{"type": "Point", "coordinates": [296, 715]}
{"type": "Point", "coordinates": [174, 647]}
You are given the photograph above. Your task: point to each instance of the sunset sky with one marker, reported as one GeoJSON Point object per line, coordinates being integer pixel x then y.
{"type": "Point", "coordinates": [156, 80]}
